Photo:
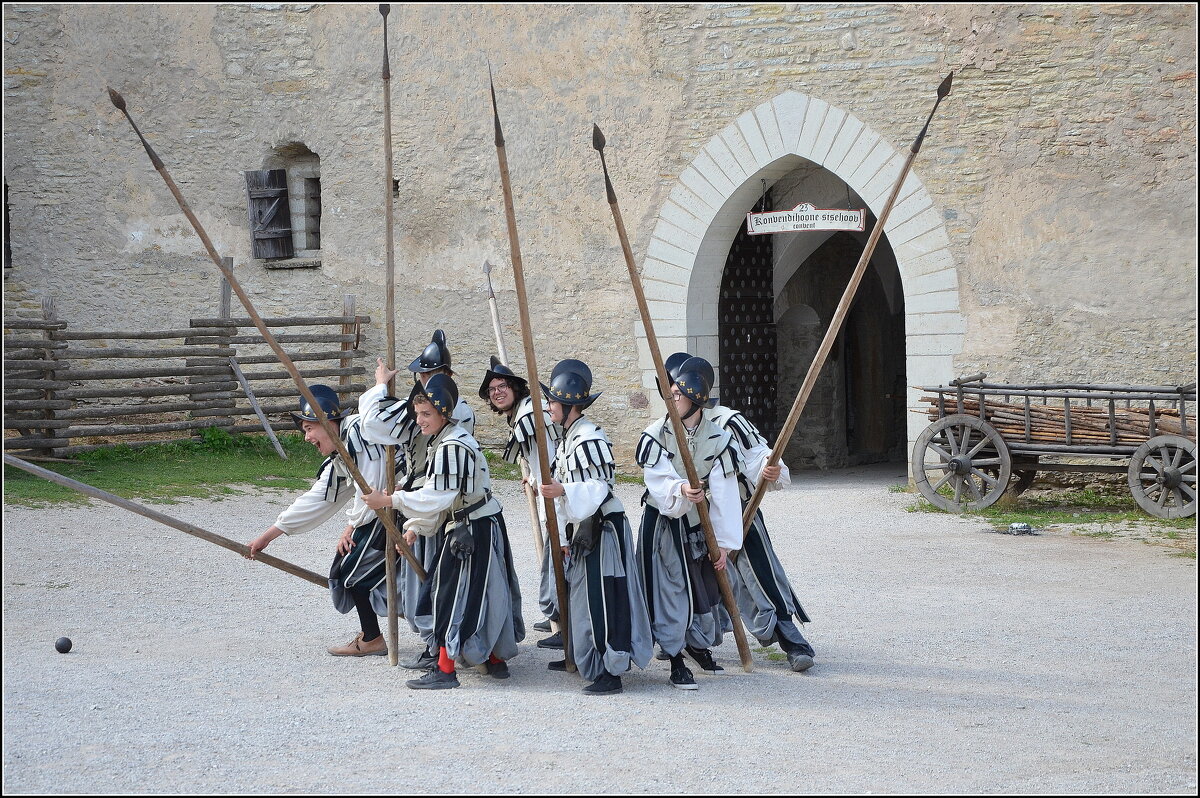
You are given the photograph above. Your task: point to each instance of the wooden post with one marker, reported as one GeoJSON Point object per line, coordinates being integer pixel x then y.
{"type": "Point", "coordinates": [48, 314]}
{"type": "Point", "coordinates": [262, 417]}
{"type": "Point", "coordinates": [347, 346]}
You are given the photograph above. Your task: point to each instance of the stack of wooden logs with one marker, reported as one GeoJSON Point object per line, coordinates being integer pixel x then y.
{"type": "Point", "coordinates": [1088, 425]}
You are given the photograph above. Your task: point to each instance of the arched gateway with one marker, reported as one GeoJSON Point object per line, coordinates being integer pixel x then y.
{"type": "Point", "coordinates": [803, 147]}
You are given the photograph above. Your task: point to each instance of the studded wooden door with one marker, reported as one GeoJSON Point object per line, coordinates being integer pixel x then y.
{"type": "Point", "coordinates": [746, 329]}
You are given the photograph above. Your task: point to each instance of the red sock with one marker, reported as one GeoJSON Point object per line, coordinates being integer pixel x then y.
{"type": "Point", "coordinates": [495, 660]}
{"type": "Point", "coordinates": [445, 664]}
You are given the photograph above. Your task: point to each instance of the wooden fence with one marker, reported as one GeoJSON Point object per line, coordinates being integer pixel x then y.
{"type": "Point", "coordinates": [68, 391]}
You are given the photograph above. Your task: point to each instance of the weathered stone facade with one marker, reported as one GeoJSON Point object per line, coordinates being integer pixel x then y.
{"type": "Point", "coordinates": [1049, 235]}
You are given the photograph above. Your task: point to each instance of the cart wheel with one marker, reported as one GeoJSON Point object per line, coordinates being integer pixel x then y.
{"type": "Point", "coordinates": [1162, 476]}
{"type": "Point", "coordinates": [960, 462]}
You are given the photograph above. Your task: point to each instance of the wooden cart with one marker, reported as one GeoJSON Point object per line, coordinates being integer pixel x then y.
{"type": "Point", "coordinates": [989, 439]}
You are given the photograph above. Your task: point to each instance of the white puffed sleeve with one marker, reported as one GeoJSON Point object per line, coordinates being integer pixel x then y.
{"type": "Point", "coordinates": [428, 502]}
{"type": "Point", "coordinates": [384, 420]}
{"type": "Point", "coordinates": [725, 507]}
{"type": "Point", "coordinates": [581, 501]}
{"type": "Point", "coordinates": [756, 459]}
{"type": "Point", "coordinates": [312, 508]}
{"type": "Point", "coordinates": [663, 484]}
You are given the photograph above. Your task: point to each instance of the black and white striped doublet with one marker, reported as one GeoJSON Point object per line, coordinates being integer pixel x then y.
{"type": "Point", "coordinates": [452, 468]}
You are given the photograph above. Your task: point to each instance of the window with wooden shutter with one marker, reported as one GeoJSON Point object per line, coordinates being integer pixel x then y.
{"type": "Point", "coordinates": [270, 214]}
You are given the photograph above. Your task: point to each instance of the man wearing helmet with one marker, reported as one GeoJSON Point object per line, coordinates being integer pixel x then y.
{"type": "Point", "coordinates": [390, 421]}
{"type": "Point", "coordinates": [357, 579]}
{"type": "Point", "coordinates": [609, 626]}
{"type": "Point", "coordinates": [471, 596]}
{"type": "Point", "coordinates": [682, 596]}
{"type": "Point", "coordinates": [765, 597]}
{"type": "Point", "coordinates": [508, 395]}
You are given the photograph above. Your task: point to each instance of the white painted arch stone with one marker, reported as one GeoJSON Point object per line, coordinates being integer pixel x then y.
{"type": "Point", "coordinates": [697, 224]}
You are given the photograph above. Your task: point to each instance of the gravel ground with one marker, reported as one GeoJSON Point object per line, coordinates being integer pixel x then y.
{"type": "Point", "coordinates": [949, 660]}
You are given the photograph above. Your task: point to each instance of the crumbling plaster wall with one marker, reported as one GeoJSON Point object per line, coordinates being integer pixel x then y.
{"type": "Point", "coordinates": [1063, 163]}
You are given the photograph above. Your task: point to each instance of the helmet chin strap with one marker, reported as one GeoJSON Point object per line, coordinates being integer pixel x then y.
{"type": "Point", "coordinates": [691, 412]}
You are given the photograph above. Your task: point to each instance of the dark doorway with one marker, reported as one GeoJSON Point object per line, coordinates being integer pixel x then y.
{"type": "Point", "coordinates": [749, 376]}
{"type": "Point", "coordinates": [856, 412]}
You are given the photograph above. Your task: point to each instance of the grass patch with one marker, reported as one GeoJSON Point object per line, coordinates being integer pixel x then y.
{"type": "Point", "coordinates": [163, 473]}
{"type": "Point", "coordinates": [900, 489]}
{"type": "Point", "coordinates": [1088, 513]}
{"type": "Point", "coordinates": [1081, 506]}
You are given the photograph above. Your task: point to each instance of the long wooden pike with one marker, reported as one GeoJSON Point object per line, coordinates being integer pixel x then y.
{"type": "Point", "coordinates": [502, 353]}
{"type": "Point", "coordinates": [393, 533]}
{"type": "Point", "coordinates": [393, 616]}
{"type": "Point", "coordinates": [839, 316]}
{"type": "Point", "coordinates": [174, 523]}
{"type": "Point", "coordinates": [739, 633]}
{"type": "Point", "coordinates": [535, 392]}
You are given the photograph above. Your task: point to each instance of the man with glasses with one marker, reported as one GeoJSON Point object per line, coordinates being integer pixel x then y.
{"type": "Point", "coordinates": [508, 395]}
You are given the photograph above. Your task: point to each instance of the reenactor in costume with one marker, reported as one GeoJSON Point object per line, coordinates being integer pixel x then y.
{"type": "Point", "coordinates": [609, 625]}
{"type": "Point", "coordinates": [357, 579]}
{"type": "Point", "coordinates": [508, 395]}
{"type": "Point", "coordinates": [686, 613]}
{"type": "Point", "coordinates": [390, 421]}
{"type": "Point", "coordinates": [765, 597]}
{"type": "Point", "coordinates": [471, 594]}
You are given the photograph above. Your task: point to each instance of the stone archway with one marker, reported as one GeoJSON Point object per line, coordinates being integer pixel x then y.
{"type": "Point", "coordinates": [700, 218]}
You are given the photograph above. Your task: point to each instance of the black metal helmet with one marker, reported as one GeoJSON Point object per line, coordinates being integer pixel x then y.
{"type": "Point", "coordinates": [694, 378]}
{"type": "Point", "coordinates": [328, 400]}
{"type": "Point", "coordinates": [671, 365]}
{"type": "Point", "coordinates": [498, 369]}
{"type": "Point", "coordinates": [435, 356]}
{"type": "Point", "coordinates": [441, 392]}
{"type": "Point", "coordinates": [571, 384]}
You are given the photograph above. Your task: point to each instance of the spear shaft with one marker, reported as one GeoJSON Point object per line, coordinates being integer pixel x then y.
{"type": "Point", "coordinates": [162, 518]}
{"type": "Point", "coordinates": [530, 497]}
{"type": "Point", "coordinates": [393, 615]}
{"type": "Point", "coordinates": [839, 316]}
{"type": "Point", "coordinates": [685, 455]}
{"type": "Point", "coordinates": [314, 405]}
{"type": "Point", "coordinates": [535, 394]}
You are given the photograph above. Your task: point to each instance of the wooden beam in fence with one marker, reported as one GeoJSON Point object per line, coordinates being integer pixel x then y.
{"type": "Point", "coordinates": [217, 400]}
{"type": "Point", "coordinates": [33, 324]}
{"type": "Point", "coordinates": [32, 343]}
{"type": "Point", "coordinates": [306, 373]}
{"type": "Point", "coordinates": [293, 321]}
{"type": "Point", "coordinates": [165, 352]}
{"type": "Point", "coordinates": [112, 431]}
{"type": "Point", "coordinates": [141, 335]}
{"type": "Point", "coordinates": [141, 373]}
{"type": "Point", "coordinates": [152, 390]}
{"type": "Point", "coordinates": [298, 356]}
{"type": "Point", "coordinates": [354, 389]}
{"type": "Point", "coordinates": [330, 338]}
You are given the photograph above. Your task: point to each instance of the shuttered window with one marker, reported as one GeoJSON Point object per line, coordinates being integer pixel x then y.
{"type": "Point", "coordinates": [270, 214]}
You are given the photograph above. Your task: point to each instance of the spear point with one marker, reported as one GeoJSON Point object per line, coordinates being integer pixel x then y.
{"type": "Point", "coordinates": [117, 99]}
{"type": "Point", "coordinates": [384, 8]}
{"type": "Point", "coordinates": [598, 142]}
{"type": "Point", "coordinates": [495, 113]}
{"type": "Point", "coordinates": [944, 89]}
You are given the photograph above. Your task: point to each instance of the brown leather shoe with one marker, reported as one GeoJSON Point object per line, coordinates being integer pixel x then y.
{"type": "Point", "coordinates": [357, 648]}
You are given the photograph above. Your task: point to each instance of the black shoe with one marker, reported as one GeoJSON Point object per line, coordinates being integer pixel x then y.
{"type": "Point", "coordinates": [704, 659]}
{"type": "Point", "coordinates": [542, 626]}
{"type": "Point", "coordinates": [424, 662]}
{"type": "Point", "coordinates": [607, 683]}
{"type": "Point", "coordinates": [557, 665]}
{"type": "Point", "coordinates": [553, 641]}
{"type": "Point", "coordinates": [682, 678]}
{"type": "Point", "coordinates": [799, 662]}
{"type": "Point", "coordinates": [436, 679]}
{"type": "Point", "coordinates": [662, 655]}
{"type": "Point", "coordinates": [498, 670]}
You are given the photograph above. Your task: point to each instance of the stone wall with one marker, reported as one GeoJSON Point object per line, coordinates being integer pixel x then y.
{"type": "Point", "coordinates": [1063, 165]}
